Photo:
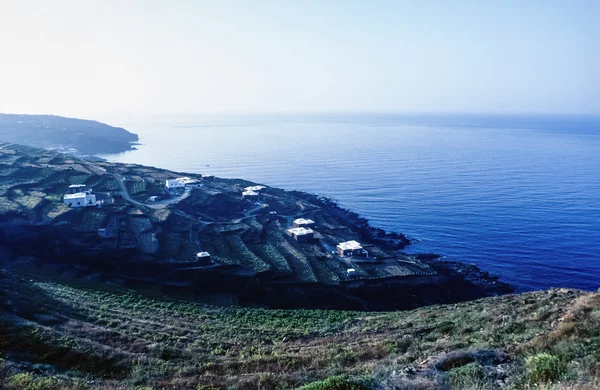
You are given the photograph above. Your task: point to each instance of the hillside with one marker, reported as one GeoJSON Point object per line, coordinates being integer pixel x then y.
{"type": "Point", "coordinates": [112, 297]}
{"type": "Point", "coordinates": [79, 136]}
{"type": "Point", "coordinates": [151, 245]}
{"type": "Point", "coordinates": [88, 336]}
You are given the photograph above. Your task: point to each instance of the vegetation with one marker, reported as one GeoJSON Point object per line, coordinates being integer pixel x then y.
{"type": "Point", "coordinates": [64, 335]}
{"type": "Point", "coordinates": [339, 382]}
{"type": "Point", "coordinates": [129, 238]}
{"type": "Point", "coordinates": [543, 368]}
{"type": "Point", "coordinates": [77, 310]}
{"type": "Point", "coordinates": [470, 375]}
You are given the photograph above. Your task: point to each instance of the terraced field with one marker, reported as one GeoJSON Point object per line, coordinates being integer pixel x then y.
{"type": "Point", "coordinates": [33, 182]}
{"type": "Point", "coordinates": [135, 187]}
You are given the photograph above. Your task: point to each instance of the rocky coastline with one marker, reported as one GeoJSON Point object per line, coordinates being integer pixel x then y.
{"type": "Point", "coordinates": [151, 246]}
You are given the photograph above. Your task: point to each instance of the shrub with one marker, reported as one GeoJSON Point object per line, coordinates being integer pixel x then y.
{"type": "Point", "coordinates": [467, 376]}
{"type": "Point", "coordinates": [339, 382]}
{"type": "Point", "coordinates": [398, 346]}
{"type": "Point", "coordinates": [144, 371]}
{"type": "Point", "coordinates": [207, 387]}
{"type": "Point", "coordinates": [26, 381]}
{"type": "Point", "coordinates": [543, 368]}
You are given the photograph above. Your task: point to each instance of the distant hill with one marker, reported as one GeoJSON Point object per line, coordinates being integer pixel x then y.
{"type": "Point", "coordinates": [65, 134]}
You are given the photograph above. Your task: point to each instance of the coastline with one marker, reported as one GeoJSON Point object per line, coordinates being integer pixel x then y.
{"type": "Point", "coordinates": [255, 261]}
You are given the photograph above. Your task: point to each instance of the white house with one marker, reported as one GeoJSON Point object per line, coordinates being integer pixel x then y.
{"type": "Point", "coordinates": [80, 199]}
{"type": "Point", "coordinates": [351, 271]}
{"type": "Point", "coordinates": [304, 222]}
{"type": "Point", "coordinates": [255, 188]}
{"type": "Point", "coordinates": [250, 195]}
{"type": "Point", "coordinates": [189, 182]}
{"type": "Point", "coordinates": [301, 234]}
{"type": "Point", "coordinates": [174, 183]}
{"type": "Point", "coordinates": [181, 182]}
{"type": "Point", "coordinates": [76, 188]}
{"type": "Point", "coordinates": [203, 258]}
{"type": "Point", "coordinates": [351, 248]}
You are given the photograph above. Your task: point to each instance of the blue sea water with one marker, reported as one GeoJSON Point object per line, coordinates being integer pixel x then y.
{"type": "Point", "coordinates": [519, 196]}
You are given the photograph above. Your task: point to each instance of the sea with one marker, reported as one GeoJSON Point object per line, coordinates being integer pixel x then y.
{"type": "Point", "coordinates": [518, 196]}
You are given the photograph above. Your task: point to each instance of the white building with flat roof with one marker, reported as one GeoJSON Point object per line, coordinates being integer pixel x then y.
{"type": "Point", "coordinates": [252, 195]}
{"type": "Point", "coordinates": [203, 258]}
{"type": "Point", "coordinates": [173, 183]}
{"type": "Point", "coordinates": [301, 234]}
{"type": "Point", "coordinates": [351, 248]}
{"type": "Point", "coordinates": [255, 188]}
{"type": "Point", "coordinates": [182, 182]}
{"type": "Point", "coordinates": [76, 188]}
{"type": "Point", "coordinates": [303, 222]}
{"type": "Point", "coordinates": [80, 199]}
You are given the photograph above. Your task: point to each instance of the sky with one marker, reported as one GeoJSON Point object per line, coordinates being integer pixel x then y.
{"type": "Point", "coordinates": [84, 58]}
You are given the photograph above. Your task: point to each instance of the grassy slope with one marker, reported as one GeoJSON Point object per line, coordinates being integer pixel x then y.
{"type": "Point", "coordinates": [53, 333]}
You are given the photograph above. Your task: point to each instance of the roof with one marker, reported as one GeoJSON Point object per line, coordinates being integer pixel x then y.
{"type": "Point", "coordinates": [79, 195]}
{"type": "Point", "coordinates": [301, 231]}
{"type": "Point", "coordinates": [352, 245]}
{"type": "Point", "coordinates": [183, 180]}
{"type": "Point", "coordinates": [187, 180]}
{"type": "Point", "coordinates": [250, 193]}
{"type": "Point", "coordinates": [350, 270]}
{"type": "Point", "coordinates": [76, 185]}
{"type": "Point", "coordinates": [254, 188]}
{"type": "Point", "coordinates": [303, 221]}
{"type": "Point", "coordinates": [202, 254]}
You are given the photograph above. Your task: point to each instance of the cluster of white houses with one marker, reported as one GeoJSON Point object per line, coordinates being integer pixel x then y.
{"type": "Point", "coordinates": [301, 234]}
{"type": "Point", "coordinates": [252, 192]}
{"type": "Point", "coordinates": [182, 182]}
{"type": "Point", "coordinates": [79, 195]}
{"type": "Point", "coordinates": [302, 230]}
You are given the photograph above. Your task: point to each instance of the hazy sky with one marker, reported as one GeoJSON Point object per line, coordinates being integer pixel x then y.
{"type": "Point", "coordinates": [86, 58]}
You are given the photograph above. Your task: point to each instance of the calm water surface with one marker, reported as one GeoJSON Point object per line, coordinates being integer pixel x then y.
{"type": "Point", "coordinates": [518, 196]}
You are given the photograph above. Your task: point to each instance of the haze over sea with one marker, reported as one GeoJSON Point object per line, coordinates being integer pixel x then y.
{"type": "Point", "coordinates": [519, 196]}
